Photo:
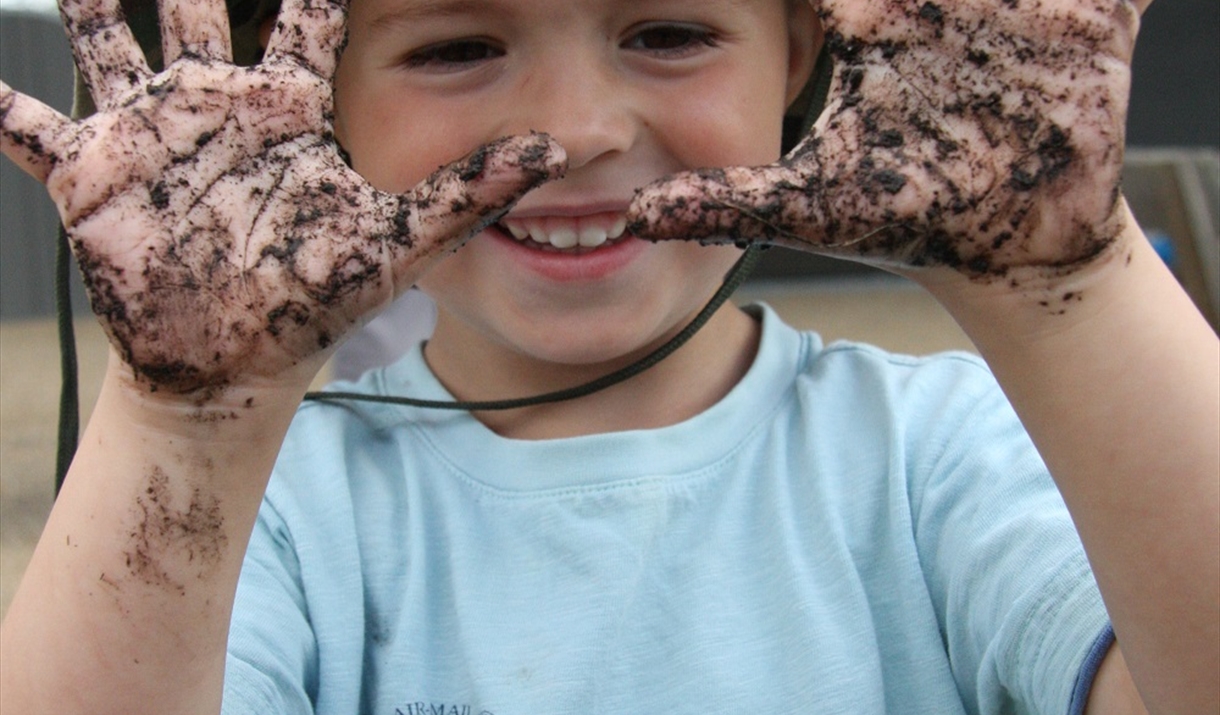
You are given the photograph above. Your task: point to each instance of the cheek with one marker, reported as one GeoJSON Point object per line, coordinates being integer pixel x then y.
{"type": "Point", "coordinates": [709, 265]}
{"type": "Point", "coordinates": [445, 272]}
{"type": "Point", "coordinates": [384, 149]}
{"type": "Point", "coordinates": [727, 120]}
{"type": "Point", "coordinates": [396, 141]}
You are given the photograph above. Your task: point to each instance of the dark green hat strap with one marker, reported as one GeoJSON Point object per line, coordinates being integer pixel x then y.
{"type": "Point", "coordinates": [69, 390]}
{"type": "Point", "coordinates": [732, 280]}
{"type": "Point", "coordinates": [804, 111]}
{"type": "Point", "coordinates": [818, 89]}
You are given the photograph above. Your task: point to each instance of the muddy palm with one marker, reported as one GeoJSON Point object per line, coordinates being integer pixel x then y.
{"type": "Point", "coordinates": [221, 236]}
{"type": "Point", "coordinates": [982, 136]}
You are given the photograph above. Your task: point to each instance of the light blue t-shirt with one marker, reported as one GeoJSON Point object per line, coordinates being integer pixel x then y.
{"type": "Point", "coordinates": [848, 531]}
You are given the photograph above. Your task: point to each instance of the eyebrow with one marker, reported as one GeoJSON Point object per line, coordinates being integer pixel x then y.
{"type": "Point", "coordinates": [412, 11]}
{"type": "Point", "coordinates": [417, 10]}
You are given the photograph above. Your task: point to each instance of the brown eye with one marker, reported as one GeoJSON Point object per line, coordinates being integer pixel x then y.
{"type": "Point", "coordinates": [671, 40]}
{"type": "Point", "coordinates": [454, 55]}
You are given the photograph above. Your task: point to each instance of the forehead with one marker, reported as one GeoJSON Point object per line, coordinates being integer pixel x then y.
{"type": "Point", "coordinates": [409, 10]}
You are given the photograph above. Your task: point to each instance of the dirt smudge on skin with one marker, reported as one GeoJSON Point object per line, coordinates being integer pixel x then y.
{"type": "Point", "coordinates": [172, 541]}
{"type": "Point", "coordinates": [989, 142]}
{"type": "Point", "coordinates": [249, 236]}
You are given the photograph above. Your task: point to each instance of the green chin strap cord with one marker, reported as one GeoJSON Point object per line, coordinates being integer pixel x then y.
{"type": "Point", "coordinates": [69, 390]}
{"type": "Point", "coordinates": [69, 408]}
{"type": "Point", "coordinates": [732, 280]}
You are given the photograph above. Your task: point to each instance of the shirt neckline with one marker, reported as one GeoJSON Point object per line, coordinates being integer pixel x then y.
{"type": "Point", "coordinates": [476, 453]}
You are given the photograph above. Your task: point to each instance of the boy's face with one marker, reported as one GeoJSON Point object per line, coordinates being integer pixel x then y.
{"type": "Point", "coordinates": [632, 89]}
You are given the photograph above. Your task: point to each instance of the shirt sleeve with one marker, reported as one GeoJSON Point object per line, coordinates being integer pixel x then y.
{"type": "Point", "coordinates": [1019, 608]}
{"type": "Point", "coordinates": [272, 653]}
{"type": "Point", "coordinates": [1088, 671]}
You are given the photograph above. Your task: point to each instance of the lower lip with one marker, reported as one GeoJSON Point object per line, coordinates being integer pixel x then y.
{"type": "Point", "coordinates": [596, 265]}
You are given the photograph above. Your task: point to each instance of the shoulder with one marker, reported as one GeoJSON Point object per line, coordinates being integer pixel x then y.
{"type": "Point", "coordinates": [938, 422]}
{"type": "Point", "coordinates": [853, 375]}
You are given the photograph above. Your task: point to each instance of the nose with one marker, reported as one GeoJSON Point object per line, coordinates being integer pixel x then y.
{"type": "Point", "coordinates": [583, 104]}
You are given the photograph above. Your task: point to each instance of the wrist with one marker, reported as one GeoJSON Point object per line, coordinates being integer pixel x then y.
{"type": "Point", "coordinates": [206, 411]}
{"type": "Point", "coordinates": [227, 439]}
{"type": "Point", "coordinates": [1029, 303]}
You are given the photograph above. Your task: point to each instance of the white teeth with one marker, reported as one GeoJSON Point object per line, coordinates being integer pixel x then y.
{"type": "Point", "coordinates": [619, 228]}
{"type": "Point", "coordinates": [593, 237]}
{"type": "Point", "coordinates": [565, 238]}
{"type": "Point", "coordinates": [567, 234]}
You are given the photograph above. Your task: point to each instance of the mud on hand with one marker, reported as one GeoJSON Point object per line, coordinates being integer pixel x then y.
{"type": "Point", "coordinates": [219, 232]}
{"type": "Point", "coordinates": [983, 135]}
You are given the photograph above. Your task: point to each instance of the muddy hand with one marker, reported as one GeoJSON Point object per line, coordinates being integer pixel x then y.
{"type": "Point", "coordinates": [983, 135]}
{"type": "Point", "coordinates": [220, 234]}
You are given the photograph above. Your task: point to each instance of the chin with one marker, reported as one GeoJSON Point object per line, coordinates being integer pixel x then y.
{"type": "Point", "coordinates": [580, 346]}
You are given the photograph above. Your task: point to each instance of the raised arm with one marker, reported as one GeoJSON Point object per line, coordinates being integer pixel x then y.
{"type": "Point", "coordinates": [227, 249]}
{"type": "Point", "coordinates": [976, 146]}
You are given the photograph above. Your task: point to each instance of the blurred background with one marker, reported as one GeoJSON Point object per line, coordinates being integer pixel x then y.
{"type": "Point", "coordinates": [1172, 180]}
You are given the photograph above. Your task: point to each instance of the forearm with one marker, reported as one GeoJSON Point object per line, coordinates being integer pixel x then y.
{"type": "Point", "coordinates": [127, 599]}
{"type": "Point", "coordinates": [1121, 394]}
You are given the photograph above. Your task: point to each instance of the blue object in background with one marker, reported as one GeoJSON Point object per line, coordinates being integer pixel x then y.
{"type": "Point", "coordinates": [1162, 243]}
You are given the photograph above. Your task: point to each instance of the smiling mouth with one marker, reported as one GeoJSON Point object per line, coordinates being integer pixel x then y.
{"type": "Point", "coordinates": [575, 235]}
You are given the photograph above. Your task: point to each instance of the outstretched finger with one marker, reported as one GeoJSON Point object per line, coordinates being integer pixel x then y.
{"type": "Point", "coordinates": [195, 28]}
{"type": "Point", "coordinates": [28, 132]}
{"type": "Point", "coordinates": [767, 205]}
{"type": "Point", "coordinates": [106, 53]}
{"type": "Point", "coordinates": [463, 198]}
{"type": "Point", "coordinates": [312, 31]}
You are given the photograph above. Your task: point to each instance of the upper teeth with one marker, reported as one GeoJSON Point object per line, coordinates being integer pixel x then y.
{"type": "Point", "coordinates": [563, 232]}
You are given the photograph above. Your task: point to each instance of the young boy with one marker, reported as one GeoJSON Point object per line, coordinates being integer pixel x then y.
{"type": "Point", "coordinates": [759, 521]}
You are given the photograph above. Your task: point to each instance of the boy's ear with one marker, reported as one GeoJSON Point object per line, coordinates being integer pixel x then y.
{"type": "Point", "coordinates": [805, 39]}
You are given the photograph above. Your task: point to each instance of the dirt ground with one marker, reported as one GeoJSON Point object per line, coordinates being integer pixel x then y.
{"type": "Point", "coordinates": [889, 313]}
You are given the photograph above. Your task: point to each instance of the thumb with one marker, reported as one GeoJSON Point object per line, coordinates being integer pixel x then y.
{"type": "Point", "coordinates": [463, 198]}
{"type": "Point", "coordinates": [742, 205]}
{"type": "Point", "coordinates": [29, 131]}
